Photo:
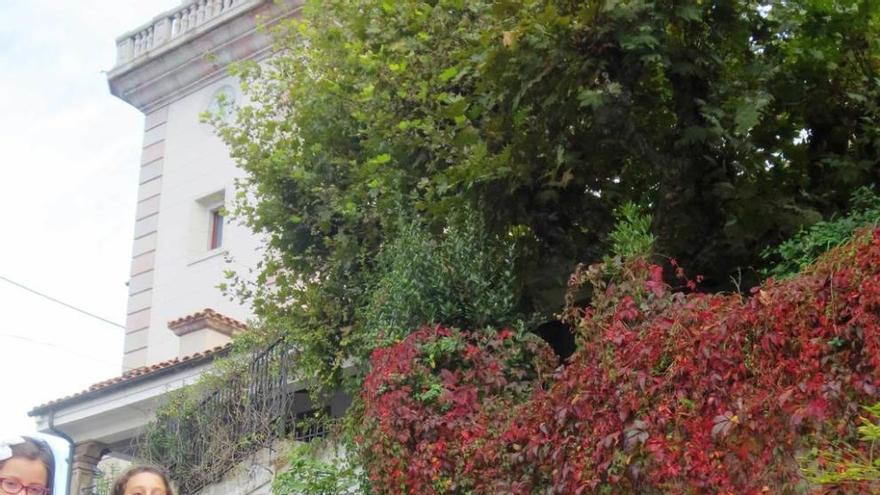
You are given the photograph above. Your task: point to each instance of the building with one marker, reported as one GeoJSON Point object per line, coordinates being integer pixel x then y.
{"type": "Point", "coordinates": [173, 68]}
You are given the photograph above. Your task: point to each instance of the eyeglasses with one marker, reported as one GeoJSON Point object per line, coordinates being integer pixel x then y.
{"type": "Point", "coordinates": [14, 487]}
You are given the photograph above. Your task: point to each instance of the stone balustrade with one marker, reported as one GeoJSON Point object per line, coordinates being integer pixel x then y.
{"type": "Point", "coordinates": [173, 25]}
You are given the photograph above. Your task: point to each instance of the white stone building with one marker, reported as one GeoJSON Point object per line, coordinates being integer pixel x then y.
{"type": "Point", "coordinates": [172, 69]}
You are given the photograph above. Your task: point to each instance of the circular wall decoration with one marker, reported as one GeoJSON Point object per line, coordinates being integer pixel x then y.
{"type": "Point", "coordinates": [222, 104]}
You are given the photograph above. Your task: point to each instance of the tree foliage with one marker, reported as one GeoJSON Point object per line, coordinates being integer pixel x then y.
{"type": "Point", "coordinates": [735, 121]}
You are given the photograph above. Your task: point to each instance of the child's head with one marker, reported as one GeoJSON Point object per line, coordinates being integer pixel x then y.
{"type": "Point", "coordinates": [27, 466]}
{"type": "Point", "coordinates": [142, 480]}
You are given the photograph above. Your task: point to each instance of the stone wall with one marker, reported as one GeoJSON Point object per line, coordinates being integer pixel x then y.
{"type": "Point", "coordinates": [253, 476]}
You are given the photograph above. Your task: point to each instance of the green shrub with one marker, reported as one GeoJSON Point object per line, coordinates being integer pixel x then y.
{"type": "Point", "coordinates": [317, 469]}
{"type": "Point", "coordinates": [846, 465]}
{"type": "Point", "coordinates": [805, 247]}
{"type": "Point", "coordinates": [463, 276]}
{"type": "Point", "coordinates": [631, 237]}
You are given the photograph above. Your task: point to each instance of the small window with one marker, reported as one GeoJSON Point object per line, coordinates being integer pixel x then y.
{"type": "Point", "coordinates": [216, 228]}
{"type": "Point", "coordinates": [207, 225]}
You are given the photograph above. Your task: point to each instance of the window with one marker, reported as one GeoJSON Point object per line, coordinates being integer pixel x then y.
{"type": "Point", "coordinates": [216, 240]}
{"type": "Point", "coordinates": [207, 227]}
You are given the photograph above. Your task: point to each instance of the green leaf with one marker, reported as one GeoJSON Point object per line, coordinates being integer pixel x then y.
{"type": "Point", "coordinates": [590, 98]}
{"type": "Point", "coordinates": [748, 112]}
{"type": "Point", "coordinates": [380, 159]}
{"type": "Point", "coordinates": [448, 74]}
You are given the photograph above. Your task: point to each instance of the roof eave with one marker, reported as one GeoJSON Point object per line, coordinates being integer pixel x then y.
{"type": "Point", "coordinates": [90, 395]}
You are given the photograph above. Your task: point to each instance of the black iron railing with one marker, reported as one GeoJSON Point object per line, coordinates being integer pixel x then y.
{"type": "Point", "coordinates": [244, 413]}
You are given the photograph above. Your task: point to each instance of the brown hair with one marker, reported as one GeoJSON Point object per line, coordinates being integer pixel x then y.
{"type": "Point", "coordinates": [122, 481]}
{"type": "Point", "coordinates": [34, 449]}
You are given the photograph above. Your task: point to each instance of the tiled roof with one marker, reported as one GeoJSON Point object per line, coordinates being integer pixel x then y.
{"type": "Point", "coordinates": [137, 374]}
{"type": "Point", "coordinates": [206, 316]}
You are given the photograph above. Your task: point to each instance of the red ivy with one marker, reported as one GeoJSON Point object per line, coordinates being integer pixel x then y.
{"type": "Point", "coordinates": [668, 393]}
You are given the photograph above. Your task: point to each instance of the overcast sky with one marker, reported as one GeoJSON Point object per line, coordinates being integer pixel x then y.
{"type": "Point", "coordinates": [68, 181]}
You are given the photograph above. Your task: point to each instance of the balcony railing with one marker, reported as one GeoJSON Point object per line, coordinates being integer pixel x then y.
{"type": "Point", "coordinates": [173, 25]}
{"type": "Point", "coordinates": [239, 416]}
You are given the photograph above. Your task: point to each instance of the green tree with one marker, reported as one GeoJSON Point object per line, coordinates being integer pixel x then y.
{"type": "Point", "coordinates": [736, 122]}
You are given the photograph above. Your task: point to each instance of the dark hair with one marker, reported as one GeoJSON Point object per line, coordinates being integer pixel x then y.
{"type": "Point", "coordinates": [34, 449]}
{"type": "Point", "coordinates": [122, 481]}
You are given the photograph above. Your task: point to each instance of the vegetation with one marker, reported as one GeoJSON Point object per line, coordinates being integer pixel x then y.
{"type": "Point", "coordinates": [243, 405]}
{"type": "Point", "coordinates": [845, 466]}
{"type": "Point", "coordinates": [105, 476]}
{"type": "Point", "coordinates": [801, 250]}
{"type": "Point", "coordinates": [463, 278]}
{"type": "Point", "coordinates": [429, 173]}
{"type": "Point", "coordinates": [735, 123]}
{"type": "Point", "coordinates": [431, 402]}
{"type": "Point", "coordinates": [317, 470]}
{"type": "Point", "coordinates": [669, 392]}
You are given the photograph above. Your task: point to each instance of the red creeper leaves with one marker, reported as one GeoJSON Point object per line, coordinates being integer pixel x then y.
{"type": "Point", "coordinates": [668, 393]}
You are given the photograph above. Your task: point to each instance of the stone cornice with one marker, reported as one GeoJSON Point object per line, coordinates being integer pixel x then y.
{"type": "Point", "coordinates": [165, 67]}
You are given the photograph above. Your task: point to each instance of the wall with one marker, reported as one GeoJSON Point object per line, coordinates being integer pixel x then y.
{"type": "Point", "coordinates": [253, 476]}
{"type": "Point", "coordinates": [186, 171]}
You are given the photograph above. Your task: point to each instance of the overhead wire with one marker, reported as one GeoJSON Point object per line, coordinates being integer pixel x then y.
{"type": "Point", "coordinates": [62, 303]}
{"type": "Point", "coordinates": [61, 348]}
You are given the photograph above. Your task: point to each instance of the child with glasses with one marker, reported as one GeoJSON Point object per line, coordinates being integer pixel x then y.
{"type": "Point", "coordinates": [27, 467]}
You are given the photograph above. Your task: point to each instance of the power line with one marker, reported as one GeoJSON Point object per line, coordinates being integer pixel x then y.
{"type": "Point", "coordinates": [56, 301]}
{"type": "Point", "coordinates": [61, 348]}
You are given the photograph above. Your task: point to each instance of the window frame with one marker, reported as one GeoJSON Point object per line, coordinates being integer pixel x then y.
{"type": "Point", "coordinates": [216, 219]}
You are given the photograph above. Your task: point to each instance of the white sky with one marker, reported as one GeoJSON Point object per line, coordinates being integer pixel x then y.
{"type": "Point", "coordinates": [68, 181]}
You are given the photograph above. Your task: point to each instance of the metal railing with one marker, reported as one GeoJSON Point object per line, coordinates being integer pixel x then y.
{"type": "Point", "coordinates": [247, 412]}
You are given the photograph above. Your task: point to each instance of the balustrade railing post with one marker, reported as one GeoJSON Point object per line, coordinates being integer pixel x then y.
{"type": "Point", "coordinates": [192, 17]}
{"type": "Point", "coordinates": [175, 25]}
{"type": "Point", "coordinates": [136, 44]}
{"type": "Point", "coordinates": [149, 33]}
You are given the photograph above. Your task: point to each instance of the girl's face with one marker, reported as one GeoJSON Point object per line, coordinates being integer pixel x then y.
{"type": "Point", "coordinates": [30, 473]}
{"type": "Point", "coordinates": [145, 484]}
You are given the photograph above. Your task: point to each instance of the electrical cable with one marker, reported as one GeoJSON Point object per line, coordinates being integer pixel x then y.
{"type": "Point", "coordinates": [61, 348]}
{"type": "Point", "coordinates": [62, 303]}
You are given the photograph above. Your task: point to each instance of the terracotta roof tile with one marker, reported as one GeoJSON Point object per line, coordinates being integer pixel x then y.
{"type": "Point", "coordinates": [207, 314]}
{"type": "Point", "coordinates": [129, 376]}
